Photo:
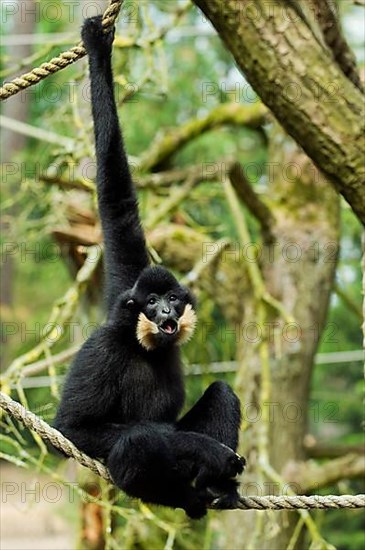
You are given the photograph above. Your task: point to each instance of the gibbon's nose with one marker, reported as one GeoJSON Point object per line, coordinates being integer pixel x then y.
{"type": "Point", "coordinates": [165, 308]}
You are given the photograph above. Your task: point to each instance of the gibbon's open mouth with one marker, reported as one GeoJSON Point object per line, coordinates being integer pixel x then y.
{"type": "Point", "coordinates": [169, 327]}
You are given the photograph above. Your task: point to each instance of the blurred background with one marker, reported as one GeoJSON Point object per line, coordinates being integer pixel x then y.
{"type": "Point", "coordinates": [271, 250]}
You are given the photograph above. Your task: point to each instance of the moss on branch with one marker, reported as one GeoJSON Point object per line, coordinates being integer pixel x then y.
{"type": "Point", "coordinates": [295, 76]}
{"type": "Point", "coordinates": [162, 148]}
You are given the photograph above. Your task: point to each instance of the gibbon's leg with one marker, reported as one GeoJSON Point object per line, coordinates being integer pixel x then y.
{"type": "Point", "coordinates": [143, 464]}
{"type": "Point", "coordinates": [217, 414]}
{"type": "Point", "coordinates": [95, 441]}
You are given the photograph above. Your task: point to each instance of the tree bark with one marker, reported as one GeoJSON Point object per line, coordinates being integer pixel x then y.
{"type": "Point", "coordinates": [296, 78]}
{"type": "Point", "coordinates": [298, 270]}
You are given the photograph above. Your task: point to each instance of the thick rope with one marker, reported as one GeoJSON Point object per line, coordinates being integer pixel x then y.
{"type": "Point", "coordinates": [39, 426]}
{"type": "Point", "coordinates": [36, 424]}
{"type": "Point", "coordinates": [299, 502]}
{"type": "Point", "coordinates": [57, 63]}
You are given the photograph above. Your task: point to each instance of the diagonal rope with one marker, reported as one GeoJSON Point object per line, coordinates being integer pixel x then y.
{"type": "Point", "coordinates": [297, 502]}
{"type": "Point", "coordinates": [57, 63]}
{"type": "Point", "coordinates": [39, 426]}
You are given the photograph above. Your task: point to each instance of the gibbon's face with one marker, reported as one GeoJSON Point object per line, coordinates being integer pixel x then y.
{"type": "Point", "coordinates": [166, 314]}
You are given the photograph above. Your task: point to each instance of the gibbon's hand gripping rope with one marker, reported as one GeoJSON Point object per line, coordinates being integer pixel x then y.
{"type": "Point", "coordinates": [57, 63]}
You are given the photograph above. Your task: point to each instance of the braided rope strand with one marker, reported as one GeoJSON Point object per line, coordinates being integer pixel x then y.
{"type": "Point", "coordinates": [45, 431]}
{"type": "Point", "coordinates": [57, 63]}
{"type": "Point", "coordinates": [298, 502]}
{"type": "Point", "coordinates": [33, 422]}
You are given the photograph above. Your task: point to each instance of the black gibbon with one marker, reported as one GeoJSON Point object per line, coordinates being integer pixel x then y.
{"type": "Point", "coordinates": [125, 390]}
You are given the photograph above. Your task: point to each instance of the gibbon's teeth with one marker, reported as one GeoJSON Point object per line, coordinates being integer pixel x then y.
{"type": "Point", "coordinates": [186, 324]}
{"type": "Point", "coordinates": [169, 327]}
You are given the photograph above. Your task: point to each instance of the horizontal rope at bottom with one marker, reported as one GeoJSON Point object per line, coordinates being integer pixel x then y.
{"type": "Point", "coordinates": [44, 430]}
{"type": "Point", "coordinates": [298, 502]}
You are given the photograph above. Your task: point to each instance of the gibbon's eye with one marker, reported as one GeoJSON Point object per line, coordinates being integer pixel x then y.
{"type": "Point", "coordinates": [172, 298]}
{"type": "Point", "coordinates": [152, 301]}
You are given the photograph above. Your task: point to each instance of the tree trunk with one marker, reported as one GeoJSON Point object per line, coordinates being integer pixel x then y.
{"type": "Point", "coordinates": [295, 76]}
{"type": "Point", "coordinates": [298, 270]}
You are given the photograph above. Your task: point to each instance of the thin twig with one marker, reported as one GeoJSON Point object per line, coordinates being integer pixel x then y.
{"type": "Point", "coordinates": [254, 203]}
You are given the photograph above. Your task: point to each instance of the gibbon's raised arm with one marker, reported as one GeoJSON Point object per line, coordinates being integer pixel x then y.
{"type": "Point", "coordinates": [125, 391]}
{"type": "Point", "coordinates": [125, 248]}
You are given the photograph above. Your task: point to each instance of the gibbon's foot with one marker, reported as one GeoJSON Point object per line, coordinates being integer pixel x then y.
{"type": "Point", "coordinates": [94, 36]}
{"type": "Point", "coordinates": [238, 461]}
{"type": "Point", "coordinates": [225, 502]}
{"type": "Point", "coordinates": [236, 464]}
{"type": "Point", "coordinates": [223, 494]}
{"type": "Point", "coordinates": [223, 468]}
{"type": "Point", "coordinates": [197, 507]}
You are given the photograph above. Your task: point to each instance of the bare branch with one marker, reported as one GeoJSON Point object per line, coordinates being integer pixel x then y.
{"type": "Point", "coordinates": [351, 304]}
{"type": "Point", "coordinates": [253, 201]}
{"type": "Point", "coordinates": [334, 37]}
{"type": "Point", "coordinates": [313, 476]}
{"type": "Point", "coordinates": [68, 184]}
{"type": "Point", "coordinates": [37, 133]}
{"type": "Point", "coordinates": [321, 450]}
{"type": "Point", "coordinates": [39, 366]}
{"type": "Point", "coordinates": [146, 181]}
{"type": "Point", "coordinates": [197, 172]}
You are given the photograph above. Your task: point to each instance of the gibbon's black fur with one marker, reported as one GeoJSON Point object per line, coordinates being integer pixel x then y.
{"type": "Point", "coordinates": [125, 390]}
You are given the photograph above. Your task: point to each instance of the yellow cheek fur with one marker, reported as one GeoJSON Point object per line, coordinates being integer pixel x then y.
{"type": "Point", "coordinates": [146, 329]}
{"type": "Point", "coordinates": [186, 324]}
